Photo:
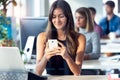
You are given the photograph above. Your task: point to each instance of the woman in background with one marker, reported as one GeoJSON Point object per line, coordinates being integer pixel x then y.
{"type": "Point", "coordinates": [66, 59]}
{"type": "Point", "coordinates": [85, 25]}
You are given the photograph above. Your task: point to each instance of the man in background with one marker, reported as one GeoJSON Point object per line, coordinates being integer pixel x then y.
{"type": "Point", "coordinates": [111, 23]}
{"type": "Point", "coordinates": [97, 28]}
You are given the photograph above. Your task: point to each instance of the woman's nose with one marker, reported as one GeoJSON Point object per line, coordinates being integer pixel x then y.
{"type": "Point", "coordinates": [77, 20]}
{"type": "Point", "coordinates": [57, 19]}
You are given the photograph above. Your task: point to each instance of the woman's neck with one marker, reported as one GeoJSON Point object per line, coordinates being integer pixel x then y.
{"type": "Point", "coordinates": [61, 34]}
{"type": "Point", "coordinates": [82, 27]}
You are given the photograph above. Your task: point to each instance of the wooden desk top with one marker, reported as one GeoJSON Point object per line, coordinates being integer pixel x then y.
{"type": "Point", "coordinates": [77, 78]}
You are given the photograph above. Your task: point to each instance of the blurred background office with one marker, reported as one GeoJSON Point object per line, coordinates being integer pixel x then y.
{"type": "Point", "coordinates": [40, 8]}
{"type": "Point", "coordinates": [29, 18]}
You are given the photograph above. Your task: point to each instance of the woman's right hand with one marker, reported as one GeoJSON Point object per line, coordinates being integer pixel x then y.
{"type": "Point", "coordinates": [51, 52]}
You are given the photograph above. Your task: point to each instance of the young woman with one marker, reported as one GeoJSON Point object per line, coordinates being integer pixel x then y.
{"type": "Point", "coordinates": [67, 58]}
{"type": "Point", "coordinates": [85, 25]}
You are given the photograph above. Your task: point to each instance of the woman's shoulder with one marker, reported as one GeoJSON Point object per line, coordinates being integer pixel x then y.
{"type": "Point", "coordinates": [42, 35]}
{"type": "Point", "coordinates": [81, 37]}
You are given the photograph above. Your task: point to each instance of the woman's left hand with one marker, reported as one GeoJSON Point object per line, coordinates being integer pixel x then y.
{"type": "Point", "coordinates": [63, 51]}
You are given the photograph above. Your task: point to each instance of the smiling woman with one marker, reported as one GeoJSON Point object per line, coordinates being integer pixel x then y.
{"type": "Point", "coordinates": [59, 19]}
{"type": "Point", "coordinates": [66, 59]}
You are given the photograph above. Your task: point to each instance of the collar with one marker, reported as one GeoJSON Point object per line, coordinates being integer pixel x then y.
{"type": "Point", "coordinates": [112, 17]}
{"type": "Point", "coordinates": [82, 30]}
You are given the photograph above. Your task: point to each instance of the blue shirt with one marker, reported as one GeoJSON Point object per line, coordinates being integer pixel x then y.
{"type": "Point", "coordinates": [114, 25]}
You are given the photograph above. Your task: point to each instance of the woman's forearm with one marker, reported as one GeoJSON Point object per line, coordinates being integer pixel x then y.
{"type": "Point", "coordinates": [40, 66]}
{"type": "Point", "coordinates": [73, 66]}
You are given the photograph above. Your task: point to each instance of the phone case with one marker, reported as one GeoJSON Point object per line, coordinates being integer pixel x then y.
{"type": "Point", "coordinates": [52, 43]}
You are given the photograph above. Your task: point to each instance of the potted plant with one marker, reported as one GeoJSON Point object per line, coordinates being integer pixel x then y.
{"type": "Point", "coordinates": [5, 3]}
{"type": "Point", "coordinates": [5, 23]}
{"type": "Point", "coordinates": [4, 40]}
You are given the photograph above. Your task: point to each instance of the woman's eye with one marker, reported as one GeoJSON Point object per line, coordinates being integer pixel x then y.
{"type": "Point", "coordinates": [76, 17]}
{"type": "Point", "coordinates": [81, 17]}
{"type": "Point", "coordinates": [62, 16]}
{"type": "Point", "coordinates": [53, 17]}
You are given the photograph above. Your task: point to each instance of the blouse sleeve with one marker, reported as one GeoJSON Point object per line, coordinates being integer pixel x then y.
{"type": "Point", "coordinates": [95, 46]}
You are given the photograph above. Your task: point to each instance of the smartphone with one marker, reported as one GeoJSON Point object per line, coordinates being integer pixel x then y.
{"type": "Point", "coordinates": [52, 43]}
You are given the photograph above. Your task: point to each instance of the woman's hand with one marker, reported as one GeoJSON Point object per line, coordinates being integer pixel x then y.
{"type": "Point", "coordinates": [63, 51]}
{"type": "Point", "coordinates": [50, 53]}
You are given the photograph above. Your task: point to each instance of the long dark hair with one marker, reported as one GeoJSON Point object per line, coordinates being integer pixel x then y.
{"type": "Point", "coordinates": [71, 35]}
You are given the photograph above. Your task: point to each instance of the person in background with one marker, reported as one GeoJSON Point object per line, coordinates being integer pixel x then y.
{"type": "Point", "coordinates": [97, 28]}
{"type": "Point", "coordinates": [111, 23]}
{"type": "Point", "coordinates": [85, 25]}
{"type": "Point", "coordinates": [66, 59]}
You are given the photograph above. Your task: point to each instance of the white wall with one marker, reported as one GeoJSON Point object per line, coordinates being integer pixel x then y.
{"type": "Point", "coordinates": [44, 6]}
{"type": "Point", "coordinates": [37, 8]}
{"type": "Point", "coordinates": [29, 7]}
{"type": "Point", "coordinates": [86, 3]}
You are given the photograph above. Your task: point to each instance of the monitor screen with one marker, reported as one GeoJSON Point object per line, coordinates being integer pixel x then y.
{"type": "Point", "coordinates": [32, 27]}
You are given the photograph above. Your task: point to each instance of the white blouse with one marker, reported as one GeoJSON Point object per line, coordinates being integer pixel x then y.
{"type": "Point", "coordinates": [92, 43]}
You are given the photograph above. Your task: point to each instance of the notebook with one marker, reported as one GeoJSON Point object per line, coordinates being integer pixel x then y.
{"type": "Point", "coordinates": [10, 59]}
{"type": "Point", "coordinates": [12, 66]}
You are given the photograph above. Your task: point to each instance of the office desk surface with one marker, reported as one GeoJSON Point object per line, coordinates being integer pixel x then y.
{"type": "Point", "coordinates": [101, 64]}
{"type": "Point", "coordinates": [91, 64]}
{"type": "Point", "coordinates": [108, 45]}
{"type": "Point", "coordinates": [77, 78]}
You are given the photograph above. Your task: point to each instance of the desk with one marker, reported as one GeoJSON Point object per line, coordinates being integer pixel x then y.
{"type": "Point", "coordinates": [31, 68]}
{"type": "Point", "coordinates": [101, 64]}
{"type": "Point", "coordinates": [77, 78]}
{"type": "Point", "coordinates": [89, 64]}
{"type": "Point", "coordinates": [110, 45]}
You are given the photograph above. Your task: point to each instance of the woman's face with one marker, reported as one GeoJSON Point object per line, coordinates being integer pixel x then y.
{"type": "Point", "coordinates": [59, 20]}
{"type": "Point", "coordinates": [80, 20]}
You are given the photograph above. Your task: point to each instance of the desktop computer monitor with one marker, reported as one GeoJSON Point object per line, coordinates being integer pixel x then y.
{"type": "Point", "coordinates": [31, 27]}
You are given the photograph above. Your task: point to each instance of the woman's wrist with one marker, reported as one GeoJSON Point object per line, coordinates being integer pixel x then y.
{"type": "Point", "coordinates": [45, 58]}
